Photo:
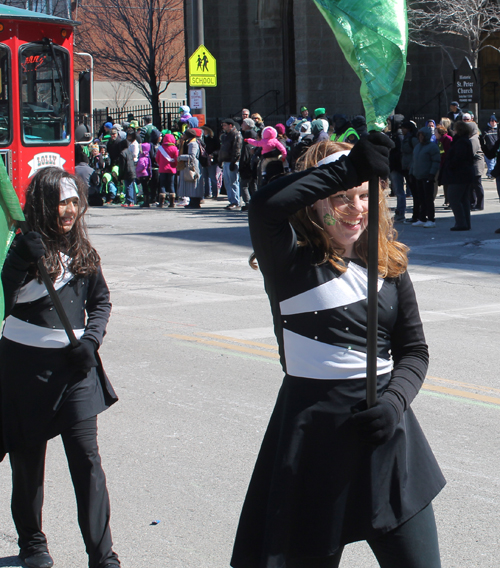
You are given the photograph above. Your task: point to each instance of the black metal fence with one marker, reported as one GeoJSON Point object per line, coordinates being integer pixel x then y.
{"type": "Point", "coordinates": [169, 111]}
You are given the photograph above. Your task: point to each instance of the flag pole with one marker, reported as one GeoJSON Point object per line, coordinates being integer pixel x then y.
{"type": "Point", "coordinates": [372, 295]}
{"type": "Point", "coordinates": [63, 316]}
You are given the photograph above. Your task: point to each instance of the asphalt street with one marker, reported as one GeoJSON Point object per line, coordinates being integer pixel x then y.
{"type": "Point", "coordinates": [191, 353]}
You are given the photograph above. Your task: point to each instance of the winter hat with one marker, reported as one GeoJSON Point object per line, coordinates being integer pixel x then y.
{"type": "Point", "coordinates": [184, 109]}
{"type": "Point", "coordinates": [299, 124]}
{"type": "Point", "coordinates": [305, 128]}
{"type": "Point", "coordinates": [493, 117]}
{"type": "Point", "coordinates": [115, 170]}
{"type": "Point", "coordinates": [319, 112]}
{"type": "Point", "coordinates": [269, 133]}
{"type": "Point", "coordinates": [317, 126]}
{"type": "Point", "coordinates": [154, 136]}
{"type": "Point", "coordinates": [280, 128]}
{"type": "Point", "coordinates": [358, 121]}
{"type": "Point", "coordinates": [168, 140]}
{"type": "Point", "coordinates": [108, 125]}
{"type": "Point", "coordinates": [192, 132]}
{"type": "Point", "coordinates": [340, 120]}
{"type": "Point", "coordinates": [249, 122]}
{"type": "Point", "coordinates": [302, 109]}
{"type": "Point", "coordinates": [455, 103]}
{"type": "Point", "coordinates": [198, 131]}
{"type": "Point", "coordinates": [166, 131]}
{"type": "Point", "coordinates": [466, 116]}
{"type": "Point", "coordinates": [229, 121]}
{"type": "Point", "coordinates": [118, 127]}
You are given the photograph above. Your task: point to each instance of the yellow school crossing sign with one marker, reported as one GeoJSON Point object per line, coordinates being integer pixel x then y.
{"type": "Point", "coordinates": [202, 68]}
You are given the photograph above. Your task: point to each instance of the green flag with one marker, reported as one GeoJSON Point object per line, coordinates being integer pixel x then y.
{"type": "Point", "coordinates": [373, 34]}
{"type": "Point", "coordinates": [10, 211]}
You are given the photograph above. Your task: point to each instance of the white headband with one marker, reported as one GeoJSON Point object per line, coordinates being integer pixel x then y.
{"type": "Point", "coordinates": [67, 189]}
{"type": "Point", "coordinates": [332, 157]}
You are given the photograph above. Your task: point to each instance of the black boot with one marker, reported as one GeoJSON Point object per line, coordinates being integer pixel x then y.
{"type": "Point", "coordinates": [194, 203]}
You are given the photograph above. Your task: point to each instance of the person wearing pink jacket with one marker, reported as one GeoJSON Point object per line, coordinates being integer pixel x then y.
{"type": "Point", "coordinates": [166, 157]}
{"type": "Point", "coordinates": [272, 151]}
{"type": "Point", "coordinates": [269, 142]}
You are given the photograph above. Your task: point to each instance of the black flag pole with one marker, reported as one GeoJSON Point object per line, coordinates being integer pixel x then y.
{"type": "Point", "coordinates": [63, 316]}
{"type": "Point", "coordinates": [372, 295]}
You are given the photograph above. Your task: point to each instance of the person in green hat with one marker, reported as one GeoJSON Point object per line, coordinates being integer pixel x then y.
{"type": "Point", "coordinates": [320, 114]}
{"type": "Point", "coordinates": [304, 113]}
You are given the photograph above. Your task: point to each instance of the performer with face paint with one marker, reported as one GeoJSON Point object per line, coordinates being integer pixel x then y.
{"type": "Point", "coordinates": [330, 471]}
{"type": "Point", "coordinates": [47, 387]}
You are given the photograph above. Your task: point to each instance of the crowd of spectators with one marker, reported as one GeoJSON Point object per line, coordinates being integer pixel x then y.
{"type": "Point", "coordinates": [134, 164]}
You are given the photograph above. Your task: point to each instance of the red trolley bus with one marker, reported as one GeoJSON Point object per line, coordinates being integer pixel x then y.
{"type": "Point", "coordinates": [36, 94]}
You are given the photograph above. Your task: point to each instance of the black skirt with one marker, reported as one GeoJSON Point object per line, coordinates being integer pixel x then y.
{"type": "Point", "coordinates": [41, 395]}
{"type": "Point", "coordinates": [316, 486]}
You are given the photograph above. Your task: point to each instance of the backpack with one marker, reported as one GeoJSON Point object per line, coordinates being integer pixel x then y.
{"type": "Point", "coordinates": [143, 165]}
{"type": "Point", "coordinates": [203, 158]}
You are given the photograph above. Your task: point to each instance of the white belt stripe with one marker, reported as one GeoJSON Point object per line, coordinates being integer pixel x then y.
{"type": "Point", "coordinates": [35, 335]}
{"type": "Point", "coordinates": [313, 359]}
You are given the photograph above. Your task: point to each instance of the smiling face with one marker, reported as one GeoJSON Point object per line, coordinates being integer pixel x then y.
{"type": "Point", "coordinates": [344, 217]}
{"type": "Point", "coordinates": [68, 212]}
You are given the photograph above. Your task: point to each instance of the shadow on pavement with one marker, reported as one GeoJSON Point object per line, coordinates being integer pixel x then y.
{"type": "Point", "coordinates": [237, 236]}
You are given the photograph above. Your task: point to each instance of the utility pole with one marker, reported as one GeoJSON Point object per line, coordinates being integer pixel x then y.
{"type": "Point", "coordinates": [199, 39]}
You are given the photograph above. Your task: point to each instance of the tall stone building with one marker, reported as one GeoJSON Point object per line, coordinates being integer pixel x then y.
{"type": "Point", "coordinates": [274, 56]}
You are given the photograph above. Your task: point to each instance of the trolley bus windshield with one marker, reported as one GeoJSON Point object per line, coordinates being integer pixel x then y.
{"type": "Point", "coordinates": [45, 105]}
{"type": "Point", "coordinates": [4, 96]}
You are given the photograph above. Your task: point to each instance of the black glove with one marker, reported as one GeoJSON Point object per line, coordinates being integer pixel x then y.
{"type": "Point", "coordinates": [370, 156]}
{"type": "Point", "coordinates": [82, 357]}
{"type": "Point", "coordinates": [233, 167]}
{"type": "Point", "coordinates": [431, 178]}
{"type": "Point", "coordinates": [30, 246]}
{"type": "Point", "coordinates": [377, 424]}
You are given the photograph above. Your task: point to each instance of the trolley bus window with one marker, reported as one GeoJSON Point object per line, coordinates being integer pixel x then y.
{"type": "Point", "coordinates": [4, 96]}
{"type": "Point", "coordinates": [44, 72]}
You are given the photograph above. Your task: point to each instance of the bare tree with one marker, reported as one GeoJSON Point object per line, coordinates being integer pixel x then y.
{"type": "Point", "coordinates": [52, 7]}
{"type": "Point", "coordinates": [122, 93]}
{"type": "Point", "coordinates": [463, 25]}
{"type": "Point", "coordinates": [139, 41]}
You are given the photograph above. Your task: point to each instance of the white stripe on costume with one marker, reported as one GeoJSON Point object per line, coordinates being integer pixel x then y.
{"type": "Point", "coordinates": [347, 289]}
{"type": "Point", "coordinates": [35, 290]}
{"type": "Point", "coordinates": [313, 359]}
{"type": "Point", "coordinates": [35, 335]}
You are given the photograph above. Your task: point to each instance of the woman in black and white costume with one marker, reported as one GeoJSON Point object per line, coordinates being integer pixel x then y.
{"type": "Point", "coordinates": [329, 471]}
{"type": "Point", "coordinates": [47, 387]}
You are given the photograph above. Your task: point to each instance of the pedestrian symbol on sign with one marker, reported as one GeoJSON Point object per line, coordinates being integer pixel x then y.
{"type": "Point", "coordinates": [202, 68]}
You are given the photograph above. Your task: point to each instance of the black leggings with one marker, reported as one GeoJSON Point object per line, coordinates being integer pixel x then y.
{"type": "Point", "coordinates": [413, 545]}
{"type": "Point", "coordinates": [80, 445]}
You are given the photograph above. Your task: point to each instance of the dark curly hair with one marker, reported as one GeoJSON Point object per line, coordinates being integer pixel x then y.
{"type": "Point", "coordinates": [42, 214]}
